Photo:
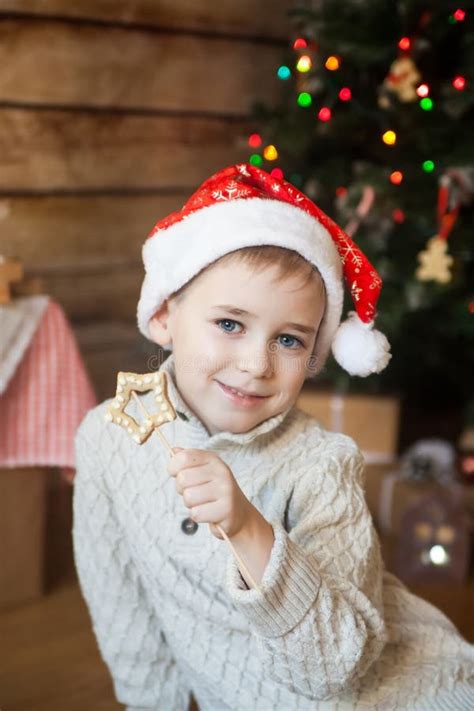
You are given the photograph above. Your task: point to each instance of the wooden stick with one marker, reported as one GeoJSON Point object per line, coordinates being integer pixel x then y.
{"type": "Point", "coordinates": [165, 442]}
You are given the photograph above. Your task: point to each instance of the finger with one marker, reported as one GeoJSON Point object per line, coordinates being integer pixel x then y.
{"type": "Point", "coordinates": [211, 512]}
{"type": "Point", "coordinates": [186, 458]}
{"type": "Point", "coordinates": [198, 495]}
{"type": "Point", "coordinates": [192, 477]}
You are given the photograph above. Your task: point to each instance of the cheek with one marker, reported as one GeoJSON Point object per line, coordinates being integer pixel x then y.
{"type": "Point", "coordinates": [292, 372]}
{"type": "Point", "coordinates": [208, 356]}
{"type": "Point", "coordinates": [218, 349]}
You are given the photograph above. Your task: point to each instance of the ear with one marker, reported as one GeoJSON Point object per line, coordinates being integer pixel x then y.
{"type": "Point", "coordinates": [159, 326]}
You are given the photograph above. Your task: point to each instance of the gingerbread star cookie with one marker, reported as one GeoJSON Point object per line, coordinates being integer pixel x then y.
{"type": "Point", "coordinates": [128, 382]}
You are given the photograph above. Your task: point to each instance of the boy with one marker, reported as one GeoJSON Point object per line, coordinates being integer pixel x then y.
{"type": "Point", "coordinates": [244, 287]}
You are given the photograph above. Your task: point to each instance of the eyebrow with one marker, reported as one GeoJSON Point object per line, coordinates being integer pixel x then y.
{"type": "Point", "coordinates": [242, 312]}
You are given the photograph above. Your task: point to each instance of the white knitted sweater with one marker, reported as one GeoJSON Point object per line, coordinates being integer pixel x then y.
{"type": "Point", "coordinates": [172, 614]}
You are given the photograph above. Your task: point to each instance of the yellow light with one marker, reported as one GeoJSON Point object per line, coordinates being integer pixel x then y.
{"type": "Point", "coordinates": [270, 153]}
{"type": "Point", "coordinates": [332, 63]}
{"type": "Point", "coordinates": [389, 137]}
{"type": "Point", "coordinates": [304, 63]}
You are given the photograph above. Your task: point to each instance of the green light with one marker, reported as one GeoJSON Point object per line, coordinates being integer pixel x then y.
{"type": "Point", "coordinates": [426, 103]}
{"type": "Point", "coordinates": [428, 166]}
{"type": "Point", "coordinates": [284, 72]}
{"type": "Point", "coordinates": [452, 20]}
{"type": "Point", "coordinates": [304, 99]}
{"type": "Point", "coordinates": [255, 159]}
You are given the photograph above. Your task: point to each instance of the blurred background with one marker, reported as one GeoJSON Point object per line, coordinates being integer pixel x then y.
{"type": "Point", "coordinates": [111, 115]}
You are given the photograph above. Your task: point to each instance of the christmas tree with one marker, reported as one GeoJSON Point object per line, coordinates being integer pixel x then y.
{"type": "Point", "coordinates": [375, 126]}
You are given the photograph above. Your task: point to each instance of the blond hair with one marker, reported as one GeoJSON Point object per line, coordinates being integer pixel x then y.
{"type": "Point", "coordinates": [260, 257]}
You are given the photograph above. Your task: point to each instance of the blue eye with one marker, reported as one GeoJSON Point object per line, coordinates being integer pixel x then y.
{"type": "Point", "coordinates": [292, 338]}
{"type": "Point", "coordinates": [226, 321]}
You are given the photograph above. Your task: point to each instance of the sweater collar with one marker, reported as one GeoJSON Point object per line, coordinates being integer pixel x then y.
{"type": "Point", "coordinates": [195, 428]}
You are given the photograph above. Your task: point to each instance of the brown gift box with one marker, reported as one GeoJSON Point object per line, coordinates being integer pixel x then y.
{"type": "Point", "coordinates": [23, 495]}
{"type": "Point", "coordinates": [371, 420]}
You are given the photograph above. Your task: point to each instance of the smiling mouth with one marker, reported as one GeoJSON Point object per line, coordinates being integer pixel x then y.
{"type": "Point", "coordinates": [241, 393]}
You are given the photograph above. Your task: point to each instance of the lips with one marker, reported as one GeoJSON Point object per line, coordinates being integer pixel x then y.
{"type": "Point", "coordinates": [240, 391]}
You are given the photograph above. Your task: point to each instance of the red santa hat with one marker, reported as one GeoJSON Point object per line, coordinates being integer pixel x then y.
{"type": "Point", "coordinates": [243, 206]}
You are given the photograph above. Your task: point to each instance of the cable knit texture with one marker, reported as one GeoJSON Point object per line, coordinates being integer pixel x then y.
{"type": "Point", "coordinates": [331, 629]}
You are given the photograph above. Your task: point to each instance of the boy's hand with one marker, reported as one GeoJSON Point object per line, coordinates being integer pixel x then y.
{"type": "Point", "coordinates": [210, 491]}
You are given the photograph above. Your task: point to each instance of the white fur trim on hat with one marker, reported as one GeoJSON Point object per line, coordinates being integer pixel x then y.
{"type": "Point", "coordinates": [174, 255]}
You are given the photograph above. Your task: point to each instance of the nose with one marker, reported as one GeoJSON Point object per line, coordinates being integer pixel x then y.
{"type": "Point", "coordinates": [256, 358]}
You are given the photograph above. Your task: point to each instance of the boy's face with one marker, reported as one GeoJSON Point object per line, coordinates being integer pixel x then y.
{"type": "Point", "coordinates": [216, 349]}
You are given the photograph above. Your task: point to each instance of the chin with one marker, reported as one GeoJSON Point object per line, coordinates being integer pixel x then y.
{"type": "Point", "coordinates": [232, 424]}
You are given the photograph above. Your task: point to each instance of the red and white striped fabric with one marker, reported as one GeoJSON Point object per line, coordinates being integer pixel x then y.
{"type": "Point", "coordinates": [46, 398]}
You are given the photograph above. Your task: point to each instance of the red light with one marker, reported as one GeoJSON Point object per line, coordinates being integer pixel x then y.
{"type": "Point", "coordinates": [404, 43]}
{"type": "Point", "coordinates": [459, 83]}
{"type": "Point", "coordinates": [345, 94]}
{"type": "Point", "coordinates": [398, 216]}
{"type": "Point", "coordinates": [471, 307]}
{"type": "Point", "coordinates": [341, 191]}
{"type": "Point", "coordinates": [277, 173]}
{"type": "Point", "coordinates": [255, 140]}
{"type": "Point", "coordinates": [459, 15]}
{"type": "Point", "coordinates": [324, 114]}
{"type": "Point", "coordinates": [300, 43]}
{"type": "Point", "coordinates": [396, 177]}
{"type": "Point", "coordinates": [467, 464]}
{"type": "Point", "coordinates": [423, 90]}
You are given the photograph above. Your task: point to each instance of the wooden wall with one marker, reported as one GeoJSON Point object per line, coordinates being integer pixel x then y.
{"type": "Point", "coordinates": [111, 113]}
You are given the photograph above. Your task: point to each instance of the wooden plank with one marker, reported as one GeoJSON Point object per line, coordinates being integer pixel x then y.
{"type": "Point", "coordinates": [107, 294]}
{"type": "Point", "coordinates": [104, 364]}
{"type": "Point", "coordinates": [81, 150]}
{"type": "Point", "coordinates": [243, 17]}
{"type": "Point", "coordinates": [56, 232]}
{"type": "Point", "coordinates": [109, 346]}
{"type": "Point", "coordinates": [94, 337]}
{"type": "Point", "coordinates": [82, 65]}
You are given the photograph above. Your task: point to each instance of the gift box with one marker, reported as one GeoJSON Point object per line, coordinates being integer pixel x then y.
{"type": "Point", "coordinates": [371, 420]}
{"type": "Point", "coordinates": [23, 496]}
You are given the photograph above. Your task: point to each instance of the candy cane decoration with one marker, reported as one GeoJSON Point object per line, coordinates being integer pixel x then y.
{"type": "Point", "coordinates": [127, 384]}
{"type": "Point", "coordinates": [361, 211]}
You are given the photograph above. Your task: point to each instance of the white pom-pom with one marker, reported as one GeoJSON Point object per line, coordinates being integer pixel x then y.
{"type": "Point", "coordinates": [360, 349]}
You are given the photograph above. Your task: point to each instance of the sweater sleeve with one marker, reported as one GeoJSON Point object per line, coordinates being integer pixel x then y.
{"type": "Point", "coordinates": [128, 633]}
{"type": "Point", "coordinates": [319, 619]}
